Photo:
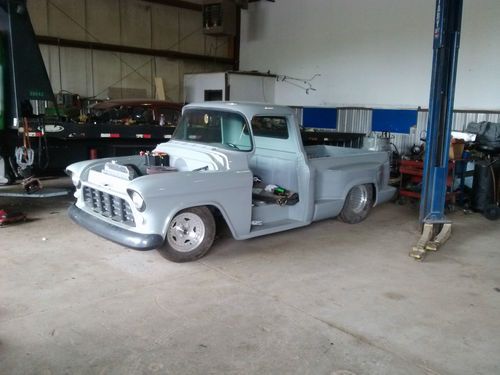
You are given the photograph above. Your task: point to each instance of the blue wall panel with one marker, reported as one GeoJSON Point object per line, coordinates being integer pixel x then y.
{"type": "Point", "coordinates": [393, 120]}
{"type": "Point", "coordinates": [319, 118]}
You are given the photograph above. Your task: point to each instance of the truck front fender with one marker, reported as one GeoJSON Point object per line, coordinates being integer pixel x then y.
{"type": "Point", "coordinates": [166, 194]}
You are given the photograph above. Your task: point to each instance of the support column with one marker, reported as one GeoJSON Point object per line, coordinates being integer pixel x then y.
{"type": "Point", "coordinates": [444, 68]}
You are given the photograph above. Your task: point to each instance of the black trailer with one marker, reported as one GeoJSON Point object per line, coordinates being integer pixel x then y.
{"type": "Point", "coordinates": [33, 143]}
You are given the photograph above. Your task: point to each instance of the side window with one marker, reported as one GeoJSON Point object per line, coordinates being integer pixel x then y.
{"type": "Point", "coordinates": [139, 114]}
{"type": "Point", "coordinates": [270, 126]}
{"type": "Point", "coordinates": [170, 116]}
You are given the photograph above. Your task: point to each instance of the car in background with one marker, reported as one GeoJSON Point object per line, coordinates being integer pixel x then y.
{"type": "Point", "coordinates": [135, 111]}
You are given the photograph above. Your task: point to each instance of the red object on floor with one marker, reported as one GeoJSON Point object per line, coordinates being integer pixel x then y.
{"type": "Point", "coordinates": [12, 217]}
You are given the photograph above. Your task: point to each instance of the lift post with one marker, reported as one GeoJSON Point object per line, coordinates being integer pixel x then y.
{"type": "Point", "coordinates": [436, 227]}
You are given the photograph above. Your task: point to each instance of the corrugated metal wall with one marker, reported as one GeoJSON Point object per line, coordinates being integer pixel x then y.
{"type": "Point", "coordinates": [354, 120]}
{"type": "Point", "coordinates": [123, 22]}
{"type": "Point", "coordinates": [359, 120]}
{"type": "Point", "coordinates": [460, 120]}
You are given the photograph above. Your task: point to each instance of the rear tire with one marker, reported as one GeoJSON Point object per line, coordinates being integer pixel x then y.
{"type": "Point", "coordinates": [190, 235]}
{"type": "Point", "coordinates": [358, 204]}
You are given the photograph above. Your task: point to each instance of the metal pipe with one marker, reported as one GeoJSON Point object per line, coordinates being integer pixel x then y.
{"type": "Point", "coordinates": [177, 4]}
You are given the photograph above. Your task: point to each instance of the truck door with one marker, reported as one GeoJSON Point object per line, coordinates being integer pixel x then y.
{"type": "Point", "coordinates": [278, 161]}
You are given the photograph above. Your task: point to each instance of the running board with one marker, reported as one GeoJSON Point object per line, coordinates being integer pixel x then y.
{"type": "Point", "coordinates": [274, 227]}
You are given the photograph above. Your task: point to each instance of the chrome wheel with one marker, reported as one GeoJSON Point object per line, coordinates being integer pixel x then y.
{"type": "Point", "coordinates": [358, 204]}
{"type": "Point", "coordinates": [358, 198]}
{"type": "Point", "coordinates": [190, 235]}
{"type": "Point", "coordinates": [186, 232]}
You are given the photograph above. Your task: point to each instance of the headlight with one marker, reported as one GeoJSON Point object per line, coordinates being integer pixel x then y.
{"type": "Point", "coordinates": [137, 200]}
{"type": "Point", "coordinates": [76, 182]}
{"type": "Point", "coordinates": [75, 179]}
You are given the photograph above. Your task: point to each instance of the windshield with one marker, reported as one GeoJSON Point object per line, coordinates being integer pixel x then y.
{"type": "Point", "coordinates": [218, 128]}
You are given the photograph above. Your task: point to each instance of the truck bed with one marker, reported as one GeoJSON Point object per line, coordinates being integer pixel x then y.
{"type": "Point", "coordinates": [323, 151]}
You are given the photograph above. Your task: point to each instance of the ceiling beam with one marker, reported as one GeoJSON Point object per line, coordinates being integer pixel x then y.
{"type": "Point", "coordinates": [49, 40]}
{"type": "Point", "coordinates": [186, 4]}
{"type": "Point", "coordinates": [177, 3]}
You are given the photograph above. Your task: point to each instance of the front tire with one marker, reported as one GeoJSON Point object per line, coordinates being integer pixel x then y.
{"type": "Point", "coordinates": [190, 235]}
{"type": "Point", "coordinates": [358, 204]}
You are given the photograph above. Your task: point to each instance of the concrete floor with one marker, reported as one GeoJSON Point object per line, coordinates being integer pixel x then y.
{"type": "Point", "coordinates": [331, 298]}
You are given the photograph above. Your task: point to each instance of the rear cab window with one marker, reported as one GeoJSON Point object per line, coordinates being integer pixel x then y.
{"type": "Point", "coordinates": [270, 127]}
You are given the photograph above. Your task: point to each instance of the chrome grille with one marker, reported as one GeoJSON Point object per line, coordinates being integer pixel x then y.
{"type": "Point", "coordinates": [108, 205]}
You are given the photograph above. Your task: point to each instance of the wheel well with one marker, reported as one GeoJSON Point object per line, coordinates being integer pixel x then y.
{"type": "Point", "coordinates": [220, 220]}
{"type": "Point", "coordinates": [374, 192]}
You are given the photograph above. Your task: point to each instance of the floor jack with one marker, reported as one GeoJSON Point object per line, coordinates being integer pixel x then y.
{"type": "Point", "coordinates": [436, 228]}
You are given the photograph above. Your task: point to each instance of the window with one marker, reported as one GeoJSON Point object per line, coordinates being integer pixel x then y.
{"type": "Point", "coordinates": [170, 116]}
{"type": "Point", "coordinates": [141, 114]}
{"type": "Point", "coordinates": [270, 126]}
{"type": "Point", "coordinates": [217, 128]}
{"type": "Point", "coordinates": [213, 95]}
{"type": "Point", "coordinates": [121, 114]}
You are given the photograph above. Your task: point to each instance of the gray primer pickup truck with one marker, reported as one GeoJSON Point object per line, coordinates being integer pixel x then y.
{"type": "Point", "coordinates": [220, 159]}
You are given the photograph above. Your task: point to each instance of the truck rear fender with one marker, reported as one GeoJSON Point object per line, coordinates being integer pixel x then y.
{"type": "Point", "coordinates": [360, 176]}
{"type": "Point", "coordinates": [362, 182]}
{"type": "Point", "coordinates": [336, 182]}
{"type": "Point", "coordinates": [376, 175]}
